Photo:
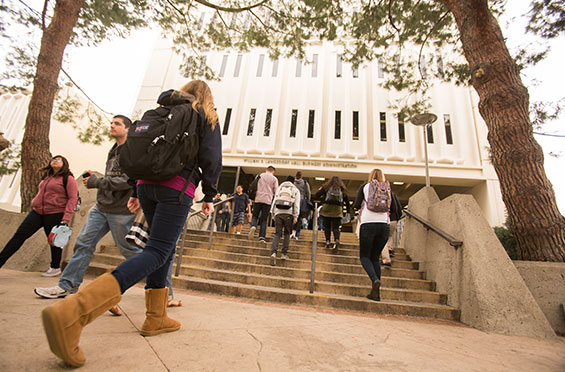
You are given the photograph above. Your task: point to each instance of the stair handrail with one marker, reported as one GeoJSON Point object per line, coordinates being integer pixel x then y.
{"type": "Point", "coordinates": [314, 247]}
{"type": "Point", "coordinates": [213, 221]}
{"type": "Point", "coordinates": [454, 242]}
{"type": "Point", "coordinates": [185, 228]}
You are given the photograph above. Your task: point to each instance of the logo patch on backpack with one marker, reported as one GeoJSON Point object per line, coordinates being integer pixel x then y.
{"type": "Point", "coordinates": [141, 128]}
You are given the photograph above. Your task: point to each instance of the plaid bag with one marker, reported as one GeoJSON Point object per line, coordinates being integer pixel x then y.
{"type": "Point", "coordinates": [138, 235]}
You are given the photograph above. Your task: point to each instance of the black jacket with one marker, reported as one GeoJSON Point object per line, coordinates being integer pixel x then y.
{"type": "Point", "coordinates": [209, 153]}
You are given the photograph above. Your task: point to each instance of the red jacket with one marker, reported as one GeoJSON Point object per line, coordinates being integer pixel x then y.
{"type": "Point", "coordinates": [52, 198]}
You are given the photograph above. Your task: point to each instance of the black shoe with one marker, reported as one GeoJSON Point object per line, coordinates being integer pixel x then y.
{"type": "Point", "coordinates": [375, 294]}
{"type": "Point", "coordinates": [336, 246]}
{"type": "Point", "coordinates": [327, 244]}
{"type": "Point", "coordinates": [389, 264]}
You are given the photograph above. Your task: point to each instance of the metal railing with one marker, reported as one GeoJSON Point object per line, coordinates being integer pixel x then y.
{"type": "Point", "coordinates": [180, 252]}
{"type": "Point", "coordinates": [454, 242]}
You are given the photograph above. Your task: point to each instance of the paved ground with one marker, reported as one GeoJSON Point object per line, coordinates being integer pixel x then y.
{"type": "Point", "coordinates": [226, 334]}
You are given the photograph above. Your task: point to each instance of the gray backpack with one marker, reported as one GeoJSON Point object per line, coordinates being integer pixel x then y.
{"type": "Point", "coordinates": [284, 199]}
{"type": "Point", "coordinates": [379, 196]}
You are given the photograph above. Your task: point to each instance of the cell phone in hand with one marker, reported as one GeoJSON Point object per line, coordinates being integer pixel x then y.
{"type": "Point", "coordinates": [86, 175]}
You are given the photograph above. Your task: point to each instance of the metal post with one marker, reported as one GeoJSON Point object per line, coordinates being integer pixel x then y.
{"type": "Point", "coordinates": [314, 247]}
{"type": "Point", "coordinates": [181, 250]}
{"type": "Point", "coordinates": [234, 188]}
{"type": "Point", "coordinates": [425, 127]}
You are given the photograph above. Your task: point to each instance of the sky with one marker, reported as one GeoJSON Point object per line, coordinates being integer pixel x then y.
{"type": "Point", "coordinates": [111, 74]}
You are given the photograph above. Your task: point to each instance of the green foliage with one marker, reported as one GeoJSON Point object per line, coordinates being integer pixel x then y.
{"type": "Point", "coordinates": [508, 240]}
{"type": "Point", "coordinates": [547, 18]}
{"type": "Point", "coordinates": [10, 160]}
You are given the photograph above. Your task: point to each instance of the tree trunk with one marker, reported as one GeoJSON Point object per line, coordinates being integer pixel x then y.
{"type": "Point", "coordinates": [517, 158]}
{"type": "Point", "coordinates": [35, 144]}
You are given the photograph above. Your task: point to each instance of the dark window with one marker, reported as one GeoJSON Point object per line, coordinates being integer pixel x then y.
{"type": "Point", "coordinates": [355, 72]}
{"type": "Point", "coordinates": [382, 121]}
{"type": "Point", "coordinates": [224, 64]}
{"type": "Point", "coordinates": [430, 134]}
{"type": "Point", "coordinates": [251, 122]}
{"type": "Point", "coordinates": [237, 66]}
{"type": "Point", "coordinates": [315, 65]}
{"type": "Point", "coordinates": [337, 131]}
{"type": "Point", "coordinates": [338, 66]}
{"type": "Point", "coordinates": [260, 65]}
{"type": "Point", "coordinates": [227, 121]}
{"type": "Point", "coordinates": [440, 70]}
{"type": "Point", "coordinates": [268, 117]}
{"type": "Point", "coordinates": [275, 67]}
{"type": "Point", "coordinates": [401, 133]}
{"type": "Point", "coordinates": [311, 124]}
{"type": "Point", "coordinates": [355, 125]}
{"type": "Point", "coordinates": [293, 121]}
{"type": "Point", "coordinates": [380, 72]}
{"type": "Point", "coordinates": [448, 135]}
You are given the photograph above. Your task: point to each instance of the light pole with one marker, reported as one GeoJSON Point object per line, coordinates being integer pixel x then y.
{"type": "Point", "coordinates": [425, 120]}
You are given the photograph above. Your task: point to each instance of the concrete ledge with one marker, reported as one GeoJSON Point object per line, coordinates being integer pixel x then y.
{"type": "Point", "coordinates": [546, 281]}
{"type": "Point", "coordinates": [479, 278]}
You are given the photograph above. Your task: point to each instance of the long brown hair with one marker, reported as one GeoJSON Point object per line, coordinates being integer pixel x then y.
{"type": "Point", "coordinates": [49, 171]}
{"type": "Point", "coordinates": [335, 181]}
{"type": "Point", "coordinates": [203, 97]}
{"type": "Point", "coordinates": [376, 174]}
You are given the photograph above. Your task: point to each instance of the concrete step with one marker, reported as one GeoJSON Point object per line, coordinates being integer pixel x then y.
{"type": "Point", "coordinates": [317, 299]}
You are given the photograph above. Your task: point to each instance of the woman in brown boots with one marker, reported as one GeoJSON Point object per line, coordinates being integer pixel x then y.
{"type": "Point", "coordinates": [166, 205]}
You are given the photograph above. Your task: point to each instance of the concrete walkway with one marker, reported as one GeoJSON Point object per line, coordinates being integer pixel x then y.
{"type": "Point", "coordinates": [227, 334]}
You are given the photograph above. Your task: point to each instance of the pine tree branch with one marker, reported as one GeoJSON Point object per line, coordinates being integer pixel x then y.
{"type": "Point", "coordinates": [228, 9]}
{"type": "Point", "coordinates": [424, 43]}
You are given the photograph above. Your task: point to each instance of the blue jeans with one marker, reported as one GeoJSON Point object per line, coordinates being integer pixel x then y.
{"type": "Point", "coordinates": [97, 225]}
{"type": "Point", "coordinates": [372, 240]}
{"type": "Point", "coordinates": [166, 217]}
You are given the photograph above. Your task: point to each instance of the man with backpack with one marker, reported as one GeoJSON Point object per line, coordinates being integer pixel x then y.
{"type": "Point", "coordinates": [110, 213]}
{"type": "Point", "coordinates": [267, 186]}
{"type": "Point", "coordinates": [285, 209]}
{"type": "Point", "coordinates": [305, 205]}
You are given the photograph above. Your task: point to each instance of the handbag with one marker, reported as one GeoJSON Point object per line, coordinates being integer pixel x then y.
{"type": "Point", "coordinates": [60, 235]}
{"type": "Point", "coordinates": [138, 234]}
{"type": "Point", "coordinates": [346, 219]}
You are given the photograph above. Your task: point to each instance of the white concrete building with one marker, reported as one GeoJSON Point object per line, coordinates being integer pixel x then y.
{"type": "Point", "coordinates": [325, 118]}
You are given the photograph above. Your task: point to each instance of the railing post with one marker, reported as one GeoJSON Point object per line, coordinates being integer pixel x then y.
{"type": "Point", "coordinates": [234, 189]}
{"type": "Point", "coordinates": [181, 250]}
{"type": "Point", "coordinates": [314, 247]}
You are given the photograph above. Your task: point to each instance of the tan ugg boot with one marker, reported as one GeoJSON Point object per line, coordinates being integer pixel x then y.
{"type": "Point", "coordinates": [64, 320]}
{"type": "Point", "coordinates": [156, 319]}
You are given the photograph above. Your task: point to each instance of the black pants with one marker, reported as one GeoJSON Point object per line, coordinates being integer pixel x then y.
{"type": "Point", "coordinates": [260, 215]}
{"type": "Point", "coordinates": [332, 224]}
{"type": "Point", "coordinates": [33, 222]}
{"type": "Point", "coordinates": [372, 240]}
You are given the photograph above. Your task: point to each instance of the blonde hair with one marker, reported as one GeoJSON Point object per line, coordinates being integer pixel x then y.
{"type": "Point", "coordinates": [203, 97]}
{"type": "Point", "coordinates": [376, 174]}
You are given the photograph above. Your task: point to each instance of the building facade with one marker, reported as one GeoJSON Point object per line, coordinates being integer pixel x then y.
{"type": "Point", "coordinates": [325, 118]}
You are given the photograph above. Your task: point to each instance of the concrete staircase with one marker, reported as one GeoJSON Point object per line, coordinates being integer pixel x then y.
{"type": "Point", "coordinates": [234, 265]}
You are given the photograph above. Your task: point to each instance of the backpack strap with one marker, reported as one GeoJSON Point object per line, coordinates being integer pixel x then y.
{"type": "Point", "coordinates": [65, 182]}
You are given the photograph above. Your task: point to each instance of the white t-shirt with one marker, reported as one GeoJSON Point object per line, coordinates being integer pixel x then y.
{"type": "Point", "coordinates": [368, 216]}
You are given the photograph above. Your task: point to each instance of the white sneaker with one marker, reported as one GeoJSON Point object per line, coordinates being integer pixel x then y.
{"type": "Point", "coordinates": [52, 272]}
{"type": "Point", "coordinates": [251, 232]}
{"type": "Point", "coordinates": [238, 233]}
{"type": "Point", "coordinates": [53, 292]}
{"type": "Point", "coordinates": [284, 257]}
{"type": "Point", "coordinates": [292, 236]}
{"type": "Point", "coordinates": [273, 259]}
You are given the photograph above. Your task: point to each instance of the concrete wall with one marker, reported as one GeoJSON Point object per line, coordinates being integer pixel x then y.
{"type": "Point", "coordinates": [479, 277]}
{"type": "Point", "coordinates": [546, 281]}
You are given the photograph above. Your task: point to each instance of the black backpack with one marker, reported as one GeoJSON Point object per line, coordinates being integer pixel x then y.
{"type": "Point", "coordinates": [334, 195]}
{"type": "Point", "coordinates": [161, 143]}
{"type": "Point", "coordinates": [252, 192]}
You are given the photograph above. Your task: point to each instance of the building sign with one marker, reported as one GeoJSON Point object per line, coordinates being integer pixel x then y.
{"type": "Point", "coordinates": [299, 163]}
